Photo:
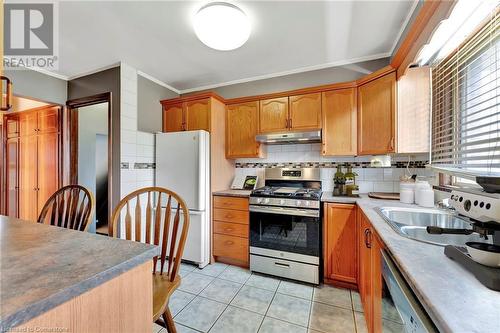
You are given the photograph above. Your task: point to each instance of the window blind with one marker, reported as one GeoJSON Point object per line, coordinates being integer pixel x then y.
{"type": "Point", "coordinates": [465, 103]}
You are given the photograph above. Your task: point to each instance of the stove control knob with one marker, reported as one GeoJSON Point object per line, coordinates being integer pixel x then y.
{"type": "Point", "coordinates": [298, 203]}
{"type": "Point", "coordinates": [308, 203]}
{"type": "Point", "coordinates": [282, 201]}
{"type": "Point", "coordinates": [259, 200]}
{"type": "Point", "coordinates": [266, 200]}
{"type": "Point", "coordinates": [467, 205]}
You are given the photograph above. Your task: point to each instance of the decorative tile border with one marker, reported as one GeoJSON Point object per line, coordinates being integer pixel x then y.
{"type": "Point", "coordinates": [126, 165]}
{"type": "Point", "coordinates": [144, 165]}
{"type": "Point", "coordinates": [364, 165]}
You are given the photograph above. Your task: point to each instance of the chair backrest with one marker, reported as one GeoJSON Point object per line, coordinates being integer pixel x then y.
{"type": "Point", "coordinates": [69, 207]}
{"type": "Point", "coordinates": [146, 224]}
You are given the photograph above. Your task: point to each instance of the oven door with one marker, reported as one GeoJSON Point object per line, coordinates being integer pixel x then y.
{"type": "Point", "coordinates": [285, 229]}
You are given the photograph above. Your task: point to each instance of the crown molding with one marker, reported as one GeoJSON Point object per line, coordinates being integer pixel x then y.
{"type": "Point", "coordinates": [293, 71]}
{"type": "Point", "coordinates": [158, 82]}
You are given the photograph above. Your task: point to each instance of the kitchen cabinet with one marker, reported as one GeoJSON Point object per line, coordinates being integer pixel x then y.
{"type": "Point", "coordinates": [242, 127]}
{"type": "Point", "coordinates": [339, 111]}
{"type": "Point", "coordinates": [273, 115]}
{"type": "Point", "coordinates": [230, 230]}
{"type": "Point", "coordinates": [12, 176]}
{"type": "Point", "coordinates": [414, 109]}
{"type": "Point", "coordinates": [197, 114]}
{"type": "Point", "coordinates": [12, 127]}
{"type": "Point", "coordinates": [33, 161]}
{"type": "Point", "coordinates": [187, 115]}
{"type": "Point", "coordinates": [340, 246]}
{"type": "Point", "coordinates": [305, 112]}
{"type": "Point", "coordinates": [377, 116]}
{"type": "Point", "coordinates": [173, 118]}
{"type": "Point", "coordinates": [370, 275]}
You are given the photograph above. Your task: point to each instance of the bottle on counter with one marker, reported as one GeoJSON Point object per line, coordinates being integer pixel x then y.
{"type": "Point", "coordinates": [350, 182]}
{"type": "Point", "coordinates": [339, 181]}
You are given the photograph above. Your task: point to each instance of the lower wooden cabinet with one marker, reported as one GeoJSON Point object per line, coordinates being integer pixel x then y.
{"type": "Point", "coordinates": [340, 247]}
{"type": "Point", "coordinates": [370, 274]}
{"type": "Point", "coordinates": [230, 230]}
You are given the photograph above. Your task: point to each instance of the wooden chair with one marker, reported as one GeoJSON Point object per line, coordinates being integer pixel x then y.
{"type": "Point", "coordinates": [69, 207]}
{"type": "Point", "coordinates": [171, 235]}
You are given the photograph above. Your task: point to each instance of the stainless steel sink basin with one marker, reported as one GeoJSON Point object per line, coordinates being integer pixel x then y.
{"type": "Point", "coordinates": [412, 223]}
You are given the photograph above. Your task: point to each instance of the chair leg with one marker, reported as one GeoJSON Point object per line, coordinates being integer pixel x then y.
{"type": "Point", "coordinates": [169, 321]}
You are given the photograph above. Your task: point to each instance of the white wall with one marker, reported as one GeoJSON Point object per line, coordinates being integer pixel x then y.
{"type": "Point", "coordinates": [137, 148]}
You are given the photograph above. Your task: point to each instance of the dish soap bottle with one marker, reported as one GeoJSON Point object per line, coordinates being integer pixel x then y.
{"type": "Point", "coordinates": [339, 181]}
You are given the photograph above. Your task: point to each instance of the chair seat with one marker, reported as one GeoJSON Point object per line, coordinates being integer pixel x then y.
{"type": "Point", "coordinates": [162, 290]}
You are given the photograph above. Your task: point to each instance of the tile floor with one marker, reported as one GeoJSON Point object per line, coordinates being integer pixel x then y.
{"type": "Point", "coordinates": [222, 298]}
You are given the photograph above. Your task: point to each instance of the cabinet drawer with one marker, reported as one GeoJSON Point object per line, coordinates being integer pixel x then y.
{"type": "Point", "coordinates": [231, 229]}
{"type": "Point", "coordinates": [231, 203]}
{"type": "Point", "coordinates": [231, 215]}
{"type": "Point", "coordinates": [231, 247]}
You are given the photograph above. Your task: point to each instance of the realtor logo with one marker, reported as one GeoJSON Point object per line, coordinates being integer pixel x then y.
{"type": "Point", "coordinates": [29, 35]}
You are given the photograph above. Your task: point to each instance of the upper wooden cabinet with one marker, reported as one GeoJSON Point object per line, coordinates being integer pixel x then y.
{"type": "Point", "coordinates": [189, 113]}
{"type": "Point", "coordinates": [173, 118]}
{"type": "Point", "coordinates": [242, 123]}
{"type": "Point", "coordinates": [340, 245]}
{"type": "Point", "coordinates": [48, 120]}
{"type": "Point", "coordinates": [414, 108]}
{"type": "Point", "coordinates": [377, 116]}
{"type": "Point", "coordinates": [12, 127]}
{"type": "Point", "coordinates": [305, 112]}
{"type": "Point", "coordinates": [273, 115]}
{"type": "Point", "coordinates": [339, 112]}
{"type": "Point", "coordinates": [197, 115]}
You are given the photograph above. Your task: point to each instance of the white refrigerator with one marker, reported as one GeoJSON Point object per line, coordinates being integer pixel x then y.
{"type": "Point", "coordinates": [183, 166]}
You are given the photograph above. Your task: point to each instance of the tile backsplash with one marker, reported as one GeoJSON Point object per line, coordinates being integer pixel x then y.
{"type": "Point", "coordinates": [308, 155]}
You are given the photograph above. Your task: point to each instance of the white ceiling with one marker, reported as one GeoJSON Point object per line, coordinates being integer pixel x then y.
{"type": "Point", "coordinates": [287, 36]}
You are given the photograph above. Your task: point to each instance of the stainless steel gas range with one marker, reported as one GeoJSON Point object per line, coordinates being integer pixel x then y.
{"type": "Point", "coordinates": [285, 224]}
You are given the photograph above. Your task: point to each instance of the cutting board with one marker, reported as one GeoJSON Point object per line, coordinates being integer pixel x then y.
{"type": "Point", "coordinates": [385, 196]}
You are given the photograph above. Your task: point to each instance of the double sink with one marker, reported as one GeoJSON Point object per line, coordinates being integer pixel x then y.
{"type": "Point", "coordinates": [413, 222]}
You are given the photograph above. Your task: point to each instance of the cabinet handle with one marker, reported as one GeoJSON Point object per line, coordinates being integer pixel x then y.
{"type": "Point", "coordinates": [279, 264]}
{"type": "Point", "coordinates": [229, 243]}
{"type": "Point", "coordinates": [286, 123]}
{"type": "Point", "coordinates": [228, 229]}
{"type": "Point", "coordinates": [368, 242]}
{"type": "Point", "coordinates": [290, 123]}
{"type": "Point", "coordinates": [392, 143]}
{"type": "Point", "coordinates": [229, 216]}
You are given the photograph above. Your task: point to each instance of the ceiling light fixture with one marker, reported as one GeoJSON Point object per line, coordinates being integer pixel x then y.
{"type": "Point", "coordinates": [222, 26]}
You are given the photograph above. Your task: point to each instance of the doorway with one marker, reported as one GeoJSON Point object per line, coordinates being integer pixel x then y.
{"type": "Point", "coordinates": [90, 151]}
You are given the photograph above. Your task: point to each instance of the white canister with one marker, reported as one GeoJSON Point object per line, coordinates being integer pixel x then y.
{"type": "Point", "coordinates": [407, 192]}
{"type": "Point", "coordinates": [420, 186]}
{"type": "Point", "coordinates": [407, 196]}
{"type": "Point", "coordinates": [427, 198]}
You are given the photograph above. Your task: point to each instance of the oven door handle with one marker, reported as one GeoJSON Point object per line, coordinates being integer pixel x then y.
{"type": "Point", "coordinates": [284, 211]}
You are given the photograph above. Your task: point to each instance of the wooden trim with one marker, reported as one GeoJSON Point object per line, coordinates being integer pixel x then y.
{"type": "Point", "coordinates": [194, 97]}
{"type": "Point", "coordinates": [424, 16]}
{"type": "Point", "coordinates": [375, 75]}
{"type": "Point", "coordinates": [302, 91]}
{"type": "Point", "coordinates": [72, 138]}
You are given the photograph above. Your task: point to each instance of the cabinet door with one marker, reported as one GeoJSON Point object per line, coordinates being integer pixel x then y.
{"type": "Point", "coordinates": [340, 246]}
{"type": "Point", "coordinates": [414, 107]}
{"type": "Point", "coordinates": [377, 116]}
{"type": "Point", "coordinates": [28, 183]}
{"type": "Point", "coordinates": [198, 115]}
{"type": "Point", "coordinates": [273, 115]}
{"type": "Point", "coordinates": [305, 112]}
{"type": "Point", "coordinates": [12, 127]}
{"type": "Point", "coordinates": [365, 268]}
{"type": "Point", "coordinates": [12, 179]}
{"type": "Point", "coordinates": [339, 122]}
{"type": "Point", "coordinates": [173, 118]}
{"type": "Point", "coordinates": [48, 167]}
{"type": "Point", "coordinates": [48, 120]}
{"type": "Point", "coordinates": [241, 130]}
{"type": "Point", "coordinates": [28, 123]}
